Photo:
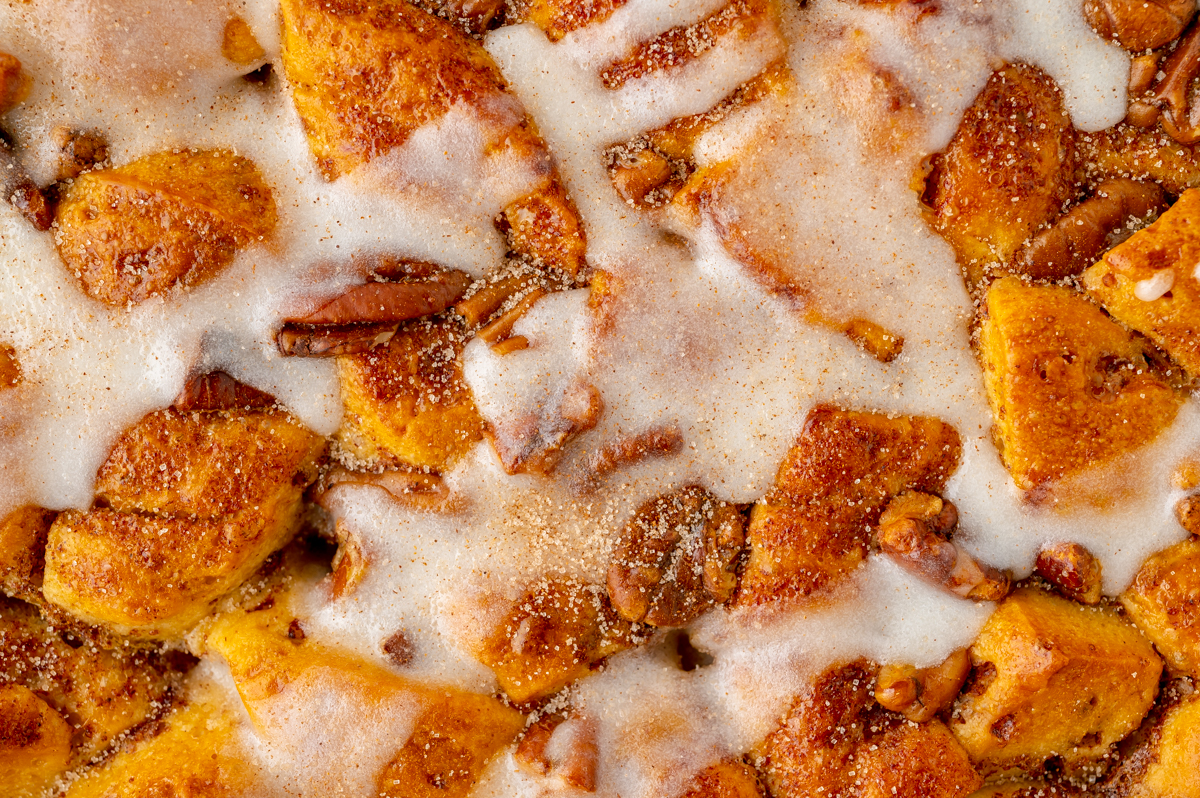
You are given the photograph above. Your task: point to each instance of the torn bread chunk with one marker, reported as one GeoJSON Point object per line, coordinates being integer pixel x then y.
{"type": "Point", "coordinates": [173, 218]}
{"type": "Point", "coordinates": [1151, 282]}
{"type": "Point", "coordinates": [1164, 602]}
{"type": "Point", "coordinates": [1070, 389]}
{"type": "Point", "coordinates": [814, 526]}
{"type": "Point", "coordinates": [191, 504]}
{"type": "Point", "coordinates": [1053, 678]}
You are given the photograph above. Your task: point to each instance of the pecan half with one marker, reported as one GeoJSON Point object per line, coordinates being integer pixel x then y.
{"type": "Point", "coordinates": [676, 558]}
{"type": "Point", "coordinates": [1139, 24]}
{"type": "Point", "coordinates": [1172, 94]}
{"type": "Point", "coordinates": [909, 533]}
{"type": "Point", "coordinates": [627, 450]}
{"type": "Point", "coordinates": [1077, 239]}
{"type": "Point", "coordinates": [308, 340]}
{"type": "Point", "coordinates": [1072, 569]}
{"type": "Point", "coordinates": [380, 303]}
{"type": "Point", "coordinates": [919, 694]}
{"type": "Point", "coordinates": [216, 390]}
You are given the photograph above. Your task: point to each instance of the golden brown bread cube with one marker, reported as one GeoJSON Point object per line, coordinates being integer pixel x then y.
{"type": "Point", "coordinates": [813, 527]}
{"type": "Point", "coordinates": [1142, 154]}
{"type": "Point", "coordinates": [1069, 388]}
{"type": "Point", "coordinates": [833, 743]}
{"type": "Point", "coordinates": [1053, 678]}
{"type": "Point", "coordinates": [35, 742]}
{"type": "Point", "coordinates": [238, 43]}
{"type": "Point", "coordinates": [195, 503]}
{"type": "Point", "coordinates": [407, 404]}
{"type": "Point", "coordinates": [23, 535]}
{"type": "Point", "coordinates": [1166, 762]}
{"type": "Point", "coordinates": [1165, 255]}
{"type": "Point", "coordinates": [101, 694]}
{"type": "Point", "coordinates": [1164, 601]}
{"type": "Point", "coordinates": [997, 183]}
{"type": "Point", "coordinates": [195, 755]}
{"type": "Point", "coordinates": [545, 227]}
{"type": "Point", "coordinates": [552, 636]}
{"type": "Point", "coordinates": [455, 733]}
{"type": "Point", "coordinates": [176, 217]}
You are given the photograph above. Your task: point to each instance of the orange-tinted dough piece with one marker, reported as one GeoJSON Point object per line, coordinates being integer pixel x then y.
{"type": "Point", "coordinates": [1069, 388]}
{"type": "Point", "coordinates": [812, 528]}
{"type": "Point", "coordinates": [23, 535]}
{"type": "Point", "coordinates": [35, 742]}
{"type": "Point", "coordinates": [1053, 678]}
{"type": "Point", "coordinates": [557, 18]}
{"type": "Point", "coordinates": [1142, 154]}
{"type": "Point", "coordinates": [1008, 170]}
{"type": "Point", "coordinates": [407, 404]}
{"type": "Point", "coordinates": [195, 503]}
{"type": "Point", "coordinates": [1170, 244]}
{"type": "Point", "coordinates": [172, 218]}
{"type": "Point", "coordinates": [1164, 602]}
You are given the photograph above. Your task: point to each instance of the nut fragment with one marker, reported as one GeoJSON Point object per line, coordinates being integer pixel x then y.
{"type": "Point", "coordinates": [15, 83]}
{"type": "Point", "coordinates": [578, 766]}
{"type": "Point", "coordinates": [399, 649]}
{"type": "Point", "coordinates": [530, 755]}
{"type": "Point", "coordinates": [1139, 24]}
{"type": "Point", "coordinates": [1072, 569]}
{"type": "Point", "coordinates": [1188, 513]}
{"type": "Point", "coordinates": [1077, 239]}
{"type": "Point", "coordinates": [379, 302]}
{"type": "Point", "coordinates": [415, 490]}
{"type": "Point", "coordinates": [216, 390]}
{"type": "Point", "coordinates": [874, 339]}
{"type": "Point", "coordinates": [18, 188]}
{"type": "Point", "coordinates": [78, 150]}
{"type": "Point", "coordinates": [675, 558]}
{"type": "Point", "coordinates": [1172, 93]}
{"type": "Point", "coordinates": [637, 174]}
{"type": "Point", "coordinates": [309, 340]}
{"type": "Point", "coordinates": [627, 450]}
{"type": "Point", "coordinates": [539, 446]}
{"type": "Point", "coordinates": [908, 533]}
{"type": "Point", "coordinates": [349, 563]}
{"type": "Point", "coordinates": [479, 306]}
{"type": "Point", "coordinates": [919, 694]}
{"type": "Point", "coordinates": [500, 328]}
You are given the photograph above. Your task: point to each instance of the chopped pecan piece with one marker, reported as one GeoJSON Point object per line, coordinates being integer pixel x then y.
{"type": "Point", "coordinates": [1139, 24]}
{"type": "Point", "coordinates": [1172, 94]}
{"type": "Point", "coordinates": [308, 340]}
{"type": "Point", "coordinates": [676, 558]}
{"type": "Point", "coordinates": [349, 563]}
{"type": "Point", "coordinates": [412, 489]}
{"type": "Point", "coordinates": [1072, 569]}
{"type": "Point", "coordinates": [530, 755]}
{"type": "Point", "coordinates": [216, 390]}
{"type": "Point", "coordinates": [78, 150]}
{"type": "Point", "coordinates": [919, 694]}
{"type": "Point", "coordinates": [578, 768]}
{"type": "Point", "coordinates": [1077, 239]}
{"type": "Point", "coordinates": [874, 339]}
{"type": "Point", "coordinates": [18, 188]}
{"type": "Point", "coordinates": [399, 648]}
{"type": "Point", "coordinates": [380, 303]}
{"type": "Point", "coordinates": [908, 533]}
{"type": "Point", "coordinates": [1188, 513]}
{"type": "Point", "coordinates": [540, 447]}
{"type": "Point", "coordinates": [627, 450]}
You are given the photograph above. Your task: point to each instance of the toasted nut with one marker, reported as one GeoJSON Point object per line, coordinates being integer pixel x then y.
{"type": "Point", "coordinates": [1139, 24]}
{"type": "Point", "coordinates": [1188, 513]}
{"type": "Point", "coordinates": [308, 340]}
{"type": "Point", "coordinates": [578, 768]}
{"type": "Point", "coordinates": [882, 345]}
{"type": "Point", "coordinates": [501, 328]}
{"type": "Point", "coordinates": [14, 83]}
{"type": "Point", "coordinates": [10, 369]}
{"type": "Point", "coordinates": [675, 558]}
{"type": "Point", "coordinates": [349, 563]}
{"type": "Point", "coordinates": [1072, 569]}
{"type": "Point", "coordinates": [399, 649]}
{"type": "Point", "coordinates": [530, 755]}
{"type": "Point", "coordinates": [1077, 239]}
{"type": "Point", "coordinates": [479, 306]}
{"type": "Point", "coordinates": [1171, 94]}
{"type": "Point", "coordinates": [379, 303]}
{"type": "Point", "coordinates": [514, 344]}
{"type": "Point", "coordinates": [906, 535]}
{"type": "Point", "coordinates": [921, 693]}
{"type": "Point", "coordinates": [627, 450]}
{"type": "Point", "coordinates": [636, 175]}
{"type": "Point", "coordinates": [540, 446]}
{"type": "Point", "coordinates": [1142, 71]}
{"type": "Point", "coordinates": [78, 150]}
{"type": "Point", "coordinates": [22, 193]}
{"type": "Point", "coordinates": [216, 390]}
{"type": "Point", "coordinates": [426, 492]}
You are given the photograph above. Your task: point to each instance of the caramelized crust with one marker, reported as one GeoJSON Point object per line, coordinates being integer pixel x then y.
{"type": "Point", "coordinates": [171, 218]}
{"type": "Point", "coordinates": [1167, 251]}
{"type": "Point", "coordinates": [557, 18]}
{"type": "Point", "coordinates": [407, 404]}
{"type": "Point", "coordinates": [100, 694]}
{"type": "Point", "coordinates": [1142, 154]}
{"type": "Point", "coordinates": [1070, 389]}
{"type": "Point", "coordinates": [23, 536]}
{"type": "Point", "coordinates": [830, 743]}
{"type": "Point", "coordinates": [1164, 601]}
{"type": "Point", "coordinates": [35, 742]}
{"type": "Point", "coordinates": [1164, 764]}
{"type": "Point", "coordinates": [1053, 678]}
{"type": "Point", "coordinates": [727, 779]}
{"type": "Point", "coordinates": [195, 502]}
{"type": "Point", "coordinates": [552, 636]}
{"type": "Point", "coordinates": [10, 369]}
{"type": "Point", "coordinates": [812, 528]}
{"type": "Point", "coordinates": [1008, 170]}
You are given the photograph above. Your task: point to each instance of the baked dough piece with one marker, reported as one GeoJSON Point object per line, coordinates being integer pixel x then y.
{"type": "Point", "coordinates": [813, 527]}
{"type": "Point", "coordinates": [1070, 389]}
{"type": "Point", "coordinates": [35, 741]}
{"type": "Point", "coordinates": [193, 503]}
{"type": "Point", "coordinates": [1164, 601]}
{"type": "Point", "coordinates": [1053, 678]}
{"type": "Point", "coordinates": [172, 218]}
{"type": "Point", "coordinates": [1162, 260]}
